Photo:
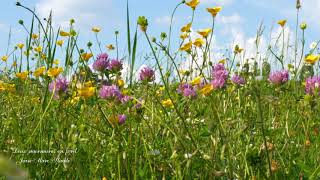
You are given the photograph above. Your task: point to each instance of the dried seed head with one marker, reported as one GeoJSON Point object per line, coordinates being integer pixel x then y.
{"type": "Point", "coordinates": [298, 5]}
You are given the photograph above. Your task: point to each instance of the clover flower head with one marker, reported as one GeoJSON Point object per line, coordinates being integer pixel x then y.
{"type": "Point", "coordinates": [238, 80]}
{"type": "Point", "coordinates": [313, 85]}
{"type": "Point", "coordinates": [101, 63]}
{"type": "Point", "coordinates": [279, 77]}
{"type": "Point", "coordinates": [147, 74]}
{"type": "Point", "coordinates": [110, 92]}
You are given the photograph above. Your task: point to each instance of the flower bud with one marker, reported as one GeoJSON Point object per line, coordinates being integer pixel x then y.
{"type": "Point", "coordinates": [303, 26]}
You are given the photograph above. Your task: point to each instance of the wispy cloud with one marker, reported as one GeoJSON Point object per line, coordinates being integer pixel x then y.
{"type": "Point", "coordinates": [164, 20]}
{"type": "Point", "coordinates": [3, 27]}
{"type": "Point", "coordinates": [217, 2]}
{"type": "Point", "coordinates": [86, 13]}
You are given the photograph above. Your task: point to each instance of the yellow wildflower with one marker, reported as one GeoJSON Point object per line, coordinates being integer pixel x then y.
{"type": "Point", "coordinates": [56, 62]}
{"type": "Point", "coordinates": [206, 90]}
{"type": "Point", "coordinates": [222, 61]}
{"type": "Point", "coordinates": [39, 72]}
{"type": "Point", "coordinates": [38, 49]}
{"type": "Point", "coordinates": [282, 23]}
{"type": "Point", "coordinates": [60, 42]}
{"type": "Point", "coordinates": [86, 92]}
{"type": "Point", "coordinates": [54, 72]}
{"type": "Point", "coordinates": [88, 84]}
{"type": "Point", "coordinates": [186, 28]}
{"type": "Point", "coordinates": [120, 83]}
{"type": "Point", "coordinates": [2, 86]}
{"type": "Point", "coordinates": [198, 42]}
{"type": "Point", "coordinates": [184, 36]}
{"type": "Point", "coordinates": [237, 49]}
{"type": "Point", "coordinates": [205, 32]}
{"type": "Point", "coordinates": [4, 58]}
{"type": "Point", "coordinates": [214, 11]}
{"type": "Point", "coordinates": [312, 59]}
{"type": "Point", "coordinates": [35, 36]}
{"type": "Point", "coordinates": [22, 75]}
{"type": "Point", "coordinates": [110, 47]}
{"type": "Point", "coordinates": [64, 34]}
{"type": "Point", "coordinates": [20, 45]}
{"type": "Point", "coordinates": [96, 29]}
{"type": "Point", "coordinates": [167, 103]}
{"type": "Point", "coordinates": [193, 4]}
{"type": "Point", "coordinates": [74, 100]}
{"type": "Point", "coordinates": [196, 81]}
{"type": "Point", "coordinates": [86, 56]}
{"type": "Point", "coordinates": [186, 47]}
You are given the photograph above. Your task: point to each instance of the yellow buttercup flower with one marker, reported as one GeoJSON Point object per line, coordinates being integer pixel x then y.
{"type": "Point", "coordinates": [39, 72]}
{"type": "Point", "coordinates": [205, 32]}
{"type": "Point", "coordinates": [56, 62]}
{"type": "Point", "coordinates": [282, 23]}
{"type": "Point", "coordinates": [22, 75]}
{"type": "Point", "coordinates": [110, 47]}
{"type": "Point", "coordinates": [120, 83]}
{"type": "Point", "coordinates": [196, 81]}
{"type": "Point", "coordinates": [64, 34]}
{"type": "Point", "coordinates": [2, 86]}
{"type": "Point", "coordinates": [38, 49]}
{"type": "Point", "coordinates": [198, 42]}
{"type": "Point", "coordinates": [186, 28]}
{"type": "Point", "coordinates": [222, 61]}
{"type": "Point", "coordinates": [312, 59]}
{"type": "Point", "coordinates": [237, 49]}
{"type": "Point", "coordinates": [167, 103]}
{"type": "Point", "coordinates": [35, 36]}
{"type": "Point", "coordinates": [206, 90]}
{"type": "Point", "coordinates": [86, 92]}
{"type": "Point", "coordinates": [20, 45]}
{"type": "Point", "coordinates": [54, 72]}
{"type": "Point", "coordinates": [184, 36]}
{"type": "Point", "coordinates": [4, 58]}
{"type": "Point", "coordinates": [186, 47]}
{"type": "Point", "coordinates": [214, 11]}
{"type": "Point", "coordinates": [88, 84]}
{"type": "Point", "coordinates": [193, 4]}
{"type": "Point", "coordinates": [60, 42]}
{"type": "Point", "coordinates": [86, 56]}
{"type": "Point", "coordinates": [96, 29]}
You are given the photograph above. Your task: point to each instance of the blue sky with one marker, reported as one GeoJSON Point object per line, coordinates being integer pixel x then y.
{"type": "Point", "coordinates": [236, 24]}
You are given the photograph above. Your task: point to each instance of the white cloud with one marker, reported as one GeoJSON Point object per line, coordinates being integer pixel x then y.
{"type": "Point", "coordinates": [86, 13]}
{"type": "Point", "coordinates": [232, 19]}
{"type": "Point", "coordinates": [3, 27]}
{"type": "Point", "coordinates": [217, 2]}
{"type": "Point", "coordinates": [164, 20]}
